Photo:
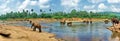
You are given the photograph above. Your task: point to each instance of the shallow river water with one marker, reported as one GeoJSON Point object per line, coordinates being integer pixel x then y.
{"type": "Point", "coordinates": [97, 31]}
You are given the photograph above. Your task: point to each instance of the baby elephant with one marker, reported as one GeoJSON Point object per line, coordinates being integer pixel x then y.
{"type": "Point", "coordinates": [62, 22]}
{"type": "Point", "coordinates": [106, 21]}
{"type": "Point", "coordinates": [35, 25]}
{"type": "Point", "coordinates": [86, 21]}
{"type": "Point", "coordinates": [69, 23]}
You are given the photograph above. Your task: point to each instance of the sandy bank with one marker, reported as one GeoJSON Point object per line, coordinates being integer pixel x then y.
{"type": "Point", "coordinates": [67, 19]}
{"type": "Point", "coordinates": [115, 28]}
{"type": "Point", "coordinates": [20, 33]}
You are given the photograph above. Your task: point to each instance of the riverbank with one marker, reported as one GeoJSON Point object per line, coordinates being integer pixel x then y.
{"type": "Point", "coordinates": [20, 33]}
{"type": "Point", "coordinates": [84, 19]}
{"type": "Point", "coordinates": [115, 28]}
{"type": "Point", "coordinates": [52, 19]}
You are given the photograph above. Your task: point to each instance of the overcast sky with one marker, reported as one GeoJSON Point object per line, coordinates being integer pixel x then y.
{"type": "Point", "coordinates": [60, 5]}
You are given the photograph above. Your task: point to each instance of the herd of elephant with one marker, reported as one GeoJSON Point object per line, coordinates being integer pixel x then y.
{"type": "Point", "coordinates": [70, 23]}
{"type": "Point", "coordinates": [113, 21]}
{"type": "Point", "coordinates": [38, 26]}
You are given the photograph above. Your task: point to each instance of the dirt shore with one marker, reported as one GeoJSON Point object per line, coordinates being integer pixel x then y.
{"type": "Point", "coordinates": [115, 28]}
{"type": "Point", "coordinates": [67, 19]}
{"type": "Point", "coordinates": [20, 33]}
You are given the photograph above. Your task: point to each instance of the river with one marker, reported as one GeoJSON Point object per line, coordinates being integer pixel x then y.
{"type": "Point", "coordinates": [97, 31]}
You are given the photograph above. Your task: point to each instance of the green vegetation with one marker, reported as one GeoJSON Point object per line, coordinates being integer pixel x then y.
{"type": "Point", "coordinates": [57, 15]}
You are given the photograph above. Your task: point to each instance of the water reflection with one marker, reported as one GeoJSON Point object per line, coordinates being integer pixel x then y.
{"type": "Point", "coordinates": [83, 32]}
{"type": "Point", "coordinates": [115, 36]}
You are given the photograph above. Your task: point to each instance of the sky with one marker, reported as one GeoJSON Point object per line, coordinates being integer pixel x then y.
{"type": "Point", "coordinates": [59, 5]}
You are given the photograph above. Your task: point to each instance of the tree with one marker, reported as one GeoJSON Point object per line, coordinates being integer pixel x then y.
{"type": "Point", "coordinates": [41, 10]}
{"type": "Point", "coordinates": [50, 10]}
{"type": "Point", "coordinates": [32, 10]}
{"type": "Point", "coordinates": [34, 15]}
{"type": "Point", "coordinates": [73, 11]}
{"type": "Point", "coordinates": [27, 11]}
{"type": "Point", "coordinates": [90, 14]}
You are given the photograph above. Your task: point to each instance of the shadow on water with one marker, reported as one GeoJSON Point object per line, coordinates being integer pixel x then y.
{"type": "Point", "coordinates": [80, 31]}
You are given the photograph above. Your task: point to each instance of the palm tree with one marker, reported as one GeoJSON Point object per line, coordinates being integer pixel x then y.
{"type": "Point", "coordinates": [90, 13]}
{"type": "Point", "coordinates": [50, 10]}
{"type": "Point", "coordinates": [32, 10]}
{"type": "Point", "coordinates": [90, 16]}
{"type": "Point", "coordinates": [27, 11]}
{"type": "Point", "coordinates": [41, 10]}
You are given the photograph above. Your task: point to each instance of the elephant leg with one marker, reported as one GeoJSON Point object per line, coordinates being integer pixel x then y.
{"type": "Point", "coordinates": [34, 29]}
{"type": "Point", "coordinates": [112, 23]}
{"type": "Point", "coordinates": [40, 30]}
{"type": "Point", "coordinates": [31, 26]}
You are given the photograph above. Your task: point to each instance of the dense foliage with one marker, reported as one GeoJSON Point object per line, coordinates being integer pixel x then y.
{"type": "Point", "coordinates": [76, 14]}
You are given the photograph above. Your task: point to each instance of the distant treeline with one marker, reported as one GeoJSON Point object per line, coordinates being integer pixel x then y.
{"type": "Point", "coordinates": [57, 15]}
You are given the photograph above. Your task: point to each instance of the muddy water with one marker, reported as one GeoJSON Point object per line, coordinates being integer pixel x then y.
{"type": "Point", "coordinates": [79, 31]}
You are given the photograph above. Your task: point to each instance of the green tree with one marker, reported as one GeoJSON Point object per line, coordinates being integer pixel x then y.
{"type": "Point", "coordinates": [41, 10]}
{"type": "Point", "coordinates": [73, 11]}
{"type": "Point", "coordinates": [32, 10]}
